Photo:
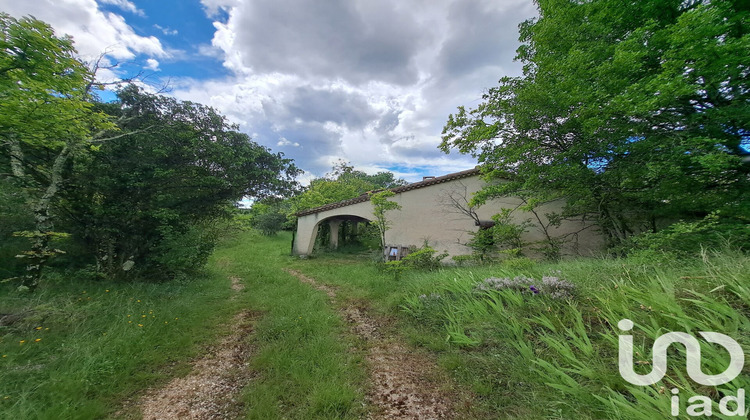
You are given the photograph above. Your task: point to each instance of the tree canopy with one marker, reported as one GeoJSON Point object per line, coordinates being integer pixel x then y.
{"type": "Point", "coordinates": [46, 117]}
{"type": "Point", "coordinates": [140, 183]}
{"type": "Point", "coordinates": [183, 165]}
{"type": "Point", "coordinates": [342, 183]}
{"type": "Point", "coordinates": [633, 112]}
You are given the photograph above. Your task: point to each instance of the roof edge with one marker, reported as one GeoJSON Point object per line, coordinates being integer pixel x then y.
{"type": "Point", "coordinates": [413, 186]}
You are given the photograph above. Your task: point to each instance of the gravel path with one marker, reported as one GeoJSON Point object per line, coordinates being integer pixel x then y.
{"type": "Point", "coordinates": [404, 384]}
{"type": "Point", "coordinates": [211, 390]}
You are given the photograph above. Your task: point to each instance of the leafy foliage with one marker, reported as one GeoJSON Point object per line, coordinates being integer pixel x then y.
{"type": "Point", "coordinates": [46, 117]}
{"type": "Point", "coordinates": [182, 167]}
{"type": "Point", "coordinates": [423, 258]}
{"type": "Point", "coordinates": [342, 183]}
{"type": "Point", "coordinates": [381, 205]}
{"type": "Point", "coordinates": [635, 114]}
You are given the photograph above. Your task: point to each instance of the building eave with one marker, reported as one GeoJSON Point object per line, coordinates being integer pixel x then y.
{"type": "Point", "coordinates": [398, 190]}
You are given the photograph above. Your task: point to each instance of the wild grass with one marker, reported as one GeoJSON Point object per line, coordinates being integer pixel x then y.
{"type": "Point", "coordinates": [75, 353]}
{"type": "Point", "coordinates": [534, 355]}
{"type": "Point", "coordinates": [303, 359]}
{"type": "Point", "coordinates": [560, 355]}
{"type": "Point", "coordinates": [79, 348]}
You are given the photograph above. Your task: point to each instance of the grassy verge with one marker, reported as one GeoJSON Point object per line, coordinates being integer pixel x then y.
{"type": "Point", "coordinates": [555, 355]}
{"type": "Point", "coordinates": [304, 363]}
{"type": "Point", "coordinates": [79, 348]}
{"type": "Point", "coordinates": [82, 347]}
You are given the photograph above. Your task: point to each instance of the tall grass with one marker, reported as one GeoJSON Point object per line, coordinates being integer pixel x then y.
{"type": "Point", "coordinates": [79, 348]}
{"type": "Point", "coordinates": [560, 355]}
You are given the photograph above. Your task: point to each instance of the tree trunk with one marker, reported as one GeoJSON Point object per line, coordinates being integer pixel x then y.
{"type": "Point", "coordinates": [44, 226]}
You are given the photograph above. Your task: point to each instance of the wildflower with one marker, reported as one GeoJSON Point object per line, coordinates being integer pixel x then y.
{"type": "Point", "coordinates": [143, 316]}
{"type": "Point", "coordinates": [38, 328]}
{"type": "Point", "coordinates": [139, 301]}
{"type": "Point", "coordinates": [84, 292]}
{"type": "Point", "coordinates": [166, 322]}
{"type": "Point", "coordinates": [5, 355]}
{"type": "Point", "coordinates": [106, 291]}
{"type": "Point", "coordinates": [130, 322]}
{"type": "Point", "coordinates": [46, 329]}
{"type": "Point", "coordinates": [176, 319]}
{"type": "Point", "coordinates": [22, 341]}
{"type": "Point", "coordinates": [534, 289]}
{"type": "Point", "coordinates": [140, 325]}
{"type": "Point", "coordinates": [38, 340]}
{"type": "Point", "coordinates": [128, 316]}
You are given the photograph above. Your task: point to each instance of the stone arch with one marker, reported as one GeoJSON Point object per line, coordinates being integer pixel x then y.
{"type": "Point", "coordinates": [308, 225]}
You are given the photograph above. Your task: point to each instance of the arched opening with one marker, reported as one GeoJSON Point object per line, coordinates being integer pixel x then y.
{"type": "Point", "coordinates": [342, 232]}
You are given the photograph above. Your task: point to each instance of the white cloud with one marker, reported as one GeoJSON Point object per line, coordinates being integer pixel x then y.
{"type": "Point", "coordinates": [124, 5]}
{"type": "Point", "coordinates": [152, 64]}
{"type": "Point", "coordinates": [284, 142]}
{"type": "Point", "coordinates": [166, 30]}
{"type": "Point", "coordinates": [368, 82]}
{"type": "Point", "coordinates": [94, 31]}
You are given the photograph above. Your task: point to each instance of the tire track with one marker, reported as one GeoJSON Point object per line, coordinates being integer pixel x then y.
{"type": "Point", "coordinates": [404, 384]}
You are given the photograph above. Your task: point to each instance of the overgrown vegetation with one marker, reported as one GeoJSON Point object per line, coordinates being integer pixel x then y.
{"type": "Point", "coordinates": [634, 114]}
{"type": "Point", "coordinates": [141, 185]}
{"type": "Point", "coordinates": [303, 363]}
{"type": "Point", "coordinates": [79, 348]}
{"type": "Point", "coordinates": [539, 340]}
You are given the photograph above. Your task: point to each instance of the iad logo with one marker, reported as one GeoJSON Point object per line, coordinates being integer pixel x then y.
{"type": "Point", "coordinates": [702, 404]}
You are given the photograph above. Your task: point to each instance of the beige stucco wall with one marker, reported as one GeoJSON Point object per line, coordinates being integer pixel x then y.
{"type": "Point", "coordinates": [427, 215]}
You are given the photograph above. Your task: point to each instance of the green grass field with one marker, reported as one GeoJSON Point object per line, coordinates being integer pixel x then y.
{"type": "Point", "coordinates": [85, 349]}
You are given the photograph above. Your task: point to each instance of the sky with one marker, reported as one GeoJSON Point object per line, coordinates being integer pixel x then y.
{"type": "Point", "coordinates": [370, 82]}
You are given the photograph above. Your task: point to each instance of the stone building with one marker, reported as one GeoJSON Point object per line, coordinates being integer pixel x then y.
{"type": "Point", "coordinates": [435, 210]}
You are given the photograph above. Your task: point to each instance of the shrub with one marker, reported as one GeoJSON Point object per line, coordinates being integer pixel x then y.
{"type": "Point", "coordinates": [423, 258]}
{"type": "Point", "coordinates": [270, 223]}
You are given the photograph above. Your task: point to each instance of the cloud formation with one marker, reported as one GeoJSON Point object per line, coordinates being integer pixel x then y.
{"type": "Point", "coordinates": [94, 31]}
{"type": "Point", "coordinates": [370, 82]}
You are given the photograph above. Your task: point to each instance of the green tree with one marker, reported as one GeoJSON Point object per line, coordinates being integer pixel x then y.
{"type": "Point", "coordinates": [135, 203]}
{"type": "Point", "coordinates": [381, 205]}
{"type": "Point", "coordinates": [342, 183]}
{"type": "Point", "coordinates": [632, 112]}
{"type": "Point", "coordinates": [46, 118]}
{"type": "Point", "coordinates": [269, 215]}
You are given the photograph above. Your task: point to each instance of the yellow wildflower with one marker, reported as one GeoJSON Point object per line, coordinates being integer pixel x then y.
{"type": "Point", "coordinates": [38, 328]}
{"type": "Point", "coordinates": [38, 340]}
{"type": "Point", "coordinates": [140, 325]}
{"type": "Point", "coordinates": [22, 341]}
